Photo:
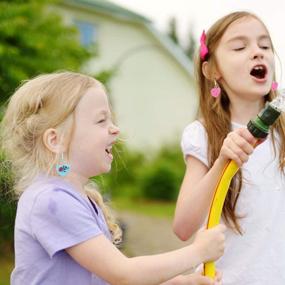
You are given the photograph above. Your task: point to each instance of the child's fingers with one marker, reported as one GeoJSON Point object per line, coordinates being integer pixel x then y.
{"type": "Point", "coordinates": [238, 154]}
{"type": "Point", "coordinates": [230, 152]}
{"type": "Point", "coordinates": [244, 144]}
{"type": "Point", "coordinates": [237, 147]}
{"type": "Point", "coordinates": [246, 134]}
{"type": "Point", "coordinates": [203, 280]}
{"type": "Point", "coordinates": [218, 276]}
{"type": "Point", "coordinates": [259, 141]}
{"type": "Point", "coordinates": [220, 227]}
{"type": "Point", "coordinates": [200, 279]}
{"type": "Point", "coordinates": [195, 279]}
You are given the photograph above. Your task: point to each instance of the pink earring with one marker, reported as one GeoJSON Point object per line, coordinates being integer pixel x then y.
{"type": "Point", "coordinates": [216, 90]}
{"type": "Point", "coordinates": [274, 86]}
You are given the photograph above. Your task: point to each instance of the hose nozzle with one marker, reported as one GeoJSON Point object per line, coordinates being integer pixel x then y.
{"type": "Point", "coordinates": [259, 126]}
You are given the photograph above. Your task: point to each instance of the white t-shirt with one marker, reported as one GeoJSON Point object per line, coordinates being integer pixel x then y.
{"type": "Point", "coordinates": [258, 256]}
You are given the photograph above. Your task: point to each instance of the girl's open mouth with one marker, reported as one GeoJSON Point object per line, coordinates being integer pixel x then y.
{"type": "Point", "coordinates": [259, 71]}
{"type": "Point", "coordinates": [109, 151]}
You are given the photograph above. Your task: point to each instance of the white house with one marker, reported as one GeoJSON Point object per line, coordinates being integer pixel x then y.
{"type": "Point", "coordinates": [152, 92]}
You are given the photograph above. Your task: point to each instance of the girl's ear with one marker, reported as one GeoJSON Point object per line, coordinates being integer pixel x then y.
{"type": "Point", "coordinates": [206, 69]}
{"type": "Point", "coordinates": [52, 141]}
{"type": "Point", "coordinates": [210, 71]}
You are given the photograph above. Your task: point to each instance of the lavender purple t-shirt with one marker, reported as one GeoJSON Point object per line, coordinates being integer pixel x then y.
{"type": "Point", "coordinates": [52, 216]}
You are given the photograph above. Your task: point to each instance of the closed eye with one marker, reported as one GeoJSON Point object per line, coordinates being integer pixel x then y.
{"type": "Point", "coordinates": [101, 121]}
{"type": "Point", "coordinates": [265, 47]}
{"type": "Point", "coordinates": [239, 49]}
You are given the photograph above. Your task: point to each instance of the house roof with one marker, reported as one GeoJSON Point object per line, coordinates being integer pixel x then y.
{"type": "Point", "coordinates": [108, 7]}
{"type": "Point", "coordinates": [116, 11]}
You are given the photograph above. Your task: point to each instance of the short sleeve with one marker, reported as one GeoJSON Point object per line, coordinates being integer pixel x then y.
{"type": "Point", "coordinates": [194, 142]}
{"type": "Point", "coordinates": [60, 219]}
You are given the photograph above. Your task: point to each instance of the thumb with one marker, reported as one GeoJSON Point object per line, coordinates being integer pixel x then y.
{"type": "Point", "coordinates": [203, 280]}
{"type": "Point", "coordinates": [259, 141]}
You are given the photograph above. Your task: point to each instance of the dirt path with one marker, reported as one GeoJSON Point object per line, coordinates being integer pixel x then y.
{"type": "Point", "coordinates": [148, 235]}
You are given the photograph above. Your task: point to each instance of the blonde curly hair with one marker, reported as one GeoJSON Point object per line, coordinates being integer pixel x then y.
{"type": "Point", "coordinates": [46, 101]}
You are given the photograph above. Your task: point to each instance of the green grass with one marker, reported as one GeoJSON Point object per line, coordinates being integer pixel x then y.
{"type": "Point", "coordinates": [149, 208]}
{"type": "Point", "coordinates": [6, 265]}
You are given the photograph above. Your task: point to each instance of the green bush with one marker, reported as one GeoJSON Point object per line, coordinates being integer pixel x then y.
{"type": "Point", "coordinates": [123, 178]}
{"type": "Point", "coordinates": [7, 205]}
{"type": "Point", "coordinates": [162, 177]}
{"type": "Point", "coordinates": [133, 175]}
{"type": "Point", "coordinates": [158, 183]}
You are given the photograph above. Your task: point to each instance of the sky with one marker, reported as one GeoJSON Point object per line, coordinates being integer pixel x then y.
{"type": "Point", "coordinates": [201, 14]}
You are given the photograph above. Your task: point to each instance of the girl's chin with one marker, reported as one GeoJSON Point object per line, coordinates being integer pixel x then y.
{"type": "Point", "coordinates": [106, 169]}
{"type": "Point", "coordinates": [100, 172]}
{"type": "Point", "coordinates": [259, 91]}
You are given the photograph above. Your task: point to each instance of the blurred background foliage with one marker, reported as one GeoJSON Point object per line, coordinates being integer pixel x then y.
{"type": "Point", "coordinates": [34, 40]}
{"type": "Point", "coordinates": [7, 206]}
{"type": "Point", "coordinates": [135, 175]}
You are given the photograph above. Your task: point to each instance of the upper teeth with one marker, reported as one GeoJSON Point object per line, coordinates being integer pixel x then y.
{"type": "Point", "coordinates": [259, 67]}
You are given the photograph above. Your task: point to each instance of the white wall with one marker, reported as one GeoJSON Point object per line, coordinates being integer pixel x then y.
{"type": "Point", "coordinates": [152, 95]}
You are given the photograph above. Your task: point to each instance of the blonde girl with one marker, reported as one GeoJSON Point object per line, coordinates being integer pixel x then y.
{"type": "Point", "coordinates": [58, 132]}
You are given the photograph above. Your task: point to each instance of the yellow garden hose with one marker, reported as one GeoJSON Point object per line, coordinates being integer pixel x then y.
{"type": "Point", "coordinates": [221, 191]}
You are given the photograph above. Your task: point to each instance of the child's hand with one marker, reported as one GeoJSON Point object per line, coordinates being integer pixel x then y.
{"type": "Point", "coordinates": [195, 279]}
{"type": "Point", "coordinates": [218, 278]}
{"type": "Point", "coordinates": [238, 145]}
{"type": "Point", "coordinates": [198, 279]}
{"type": "Point", "coordinates": [211, 243]}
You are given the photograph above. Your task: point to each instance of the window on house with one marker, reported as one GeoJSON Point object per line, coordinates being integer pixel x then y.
{"type": "Point", "coordinates": [87, 32]}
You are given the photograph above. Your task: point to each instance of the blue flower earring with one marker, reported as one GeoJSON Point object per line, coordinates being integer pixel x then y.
{"type": "Point", "coordinates": [62, 168]}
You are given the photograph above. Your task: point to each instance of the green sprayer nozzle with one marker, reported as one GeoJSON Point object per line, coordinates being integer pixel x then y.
{"type": "Point", "coordinates": [259, 126]}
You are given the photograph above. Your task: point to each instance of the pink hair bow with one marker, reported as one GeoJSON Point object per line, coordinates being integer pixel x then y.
{"type": "Point", "coordinates": [203, 48]}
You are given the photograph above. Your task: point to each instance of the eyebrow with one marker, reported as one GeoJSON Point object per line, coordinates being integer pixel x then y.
{"type": "Point", "coordinates": [262, 37]}
{"type": "Point", "coordinates": [103, 112]}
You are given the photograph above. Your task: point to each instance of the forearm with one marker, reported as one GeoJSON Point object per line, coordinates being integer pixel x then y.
{"type": "Point", "coordinates": [156, 269]}
{"type": "Point", "coordinates": [195, 200]}
{"type": "Point", "coordinates": [178, 280]}
{"type": "Point", "coordinates": [100, 256]}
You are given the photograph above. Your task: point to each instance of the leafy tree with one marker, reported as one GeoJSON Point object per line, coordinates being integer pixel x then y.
{"type": "Point", "coordinates": [34, 40]}
{"type": "Point", "coordinates": [172, 30]}
{"type": "Point", "coordinates": [191, 45]}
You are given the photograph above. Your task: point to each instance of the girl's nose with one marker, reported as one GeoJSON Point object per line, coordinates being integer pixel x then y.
{"type": "Point", "coordinates": [114, 130]}
{"type": "Point", "coordinates": [257, 53]}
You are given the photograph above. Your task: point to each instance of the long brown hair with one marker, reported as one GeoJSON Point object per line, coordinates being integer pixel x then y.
{"type": "Point", "coordinates": [46, 101]}
{"type": "Point", "coordinates": [216, 116]}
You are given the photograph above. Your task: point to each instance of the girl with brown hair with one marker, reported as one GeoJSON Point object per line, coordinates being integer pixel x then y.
{"type": "Point", "coordinates": [235, 76]}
